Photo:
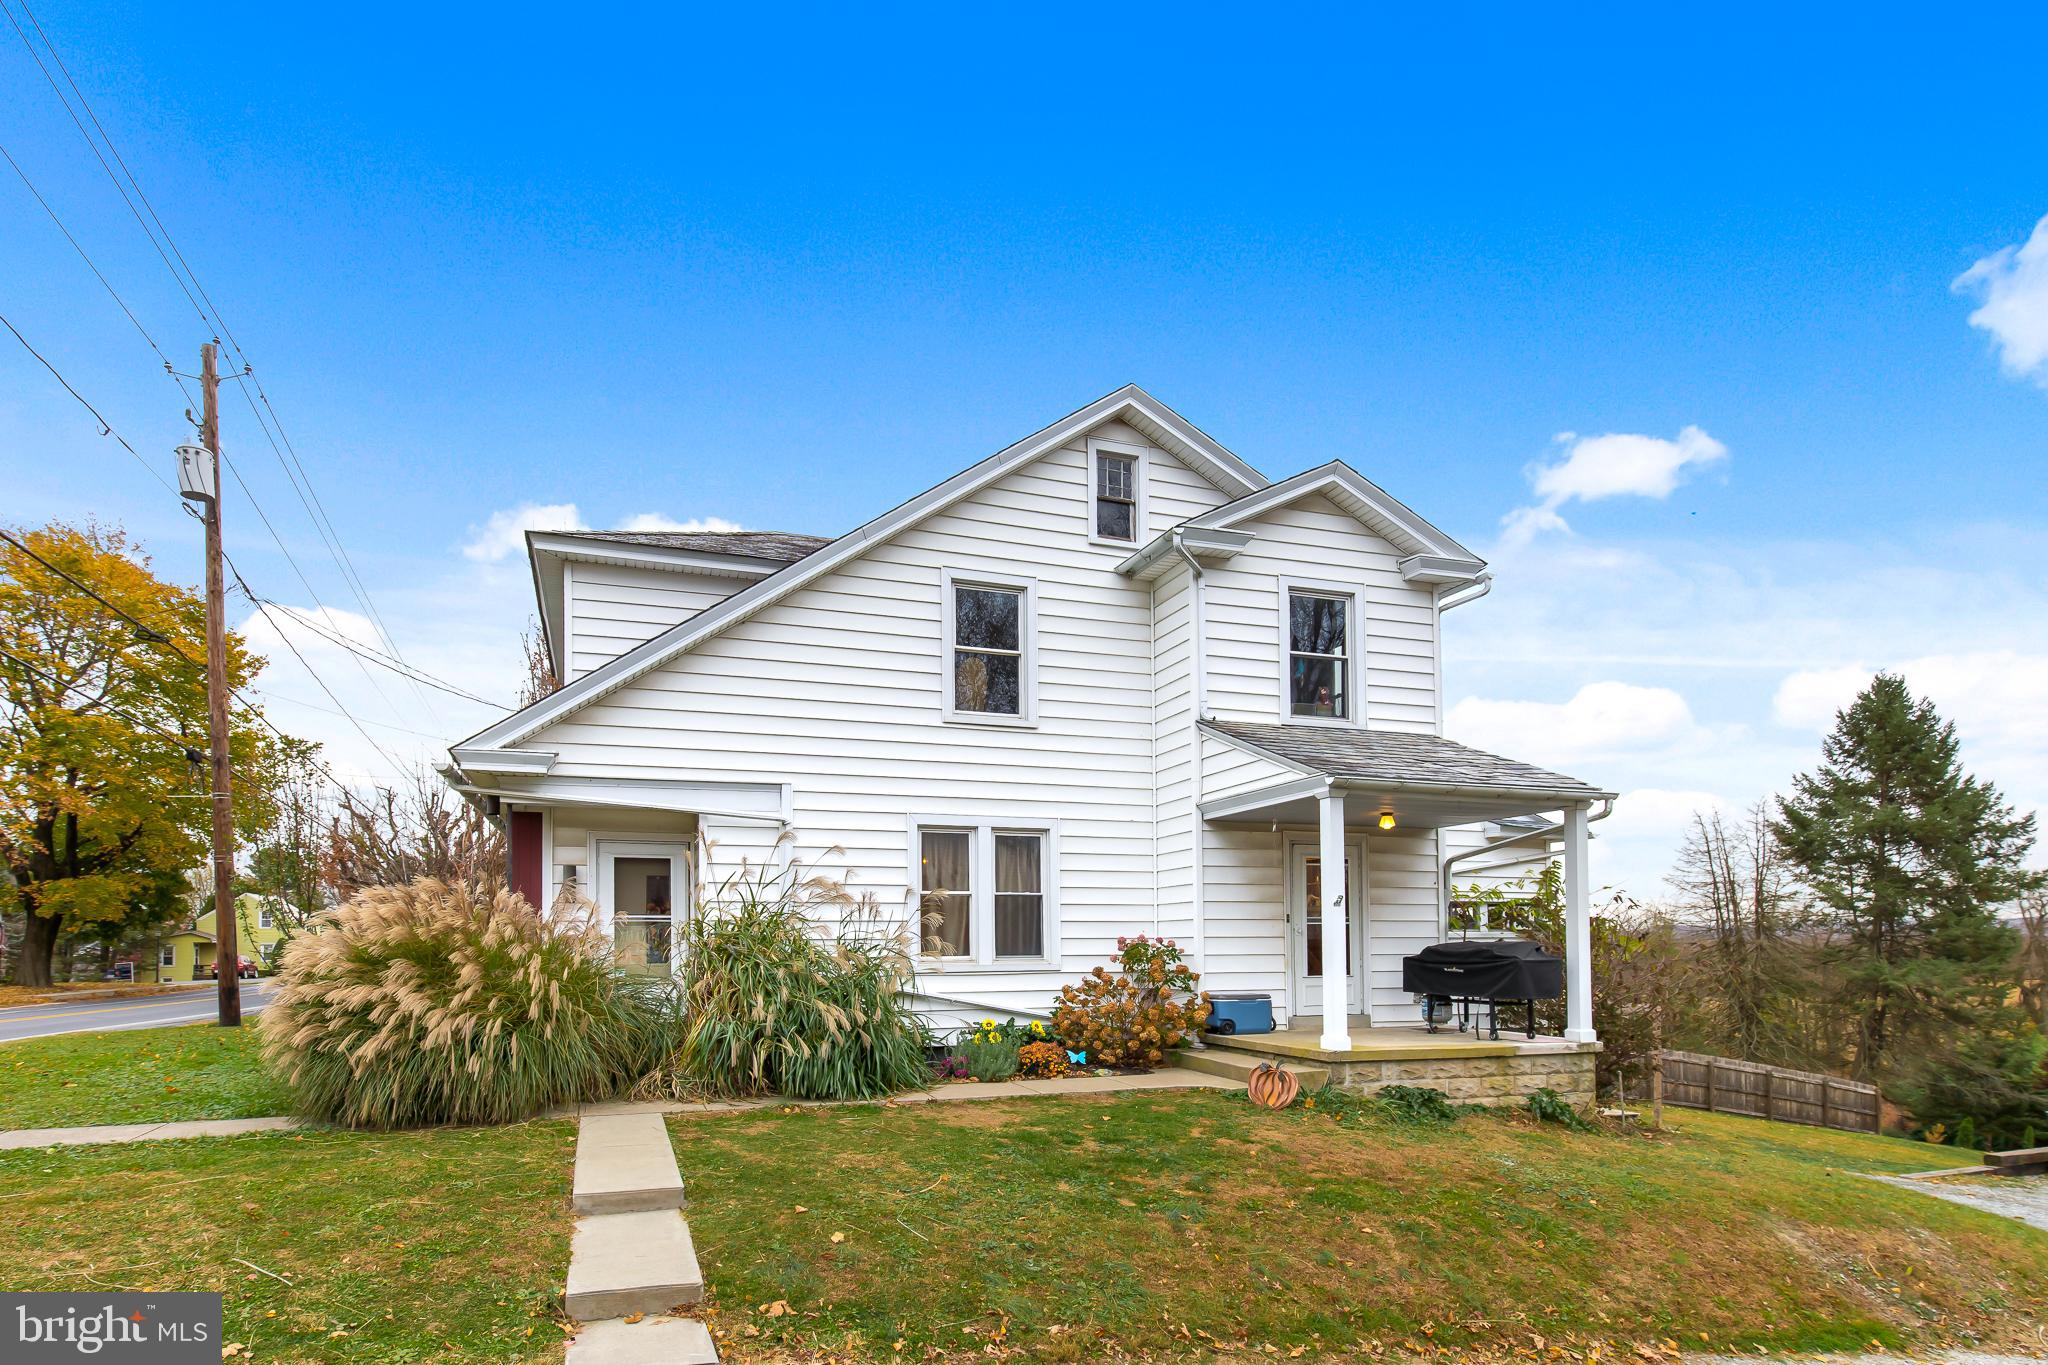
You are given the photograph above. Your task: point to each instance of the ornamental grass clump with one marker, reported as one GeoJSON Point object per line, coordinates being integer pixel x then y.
{"type": "Point", "coordinates": [792, 984]}
{"type": "Point", "coordinates": [439, 1003]}
{"type": "Point", "coordinates": [1134, 1018]}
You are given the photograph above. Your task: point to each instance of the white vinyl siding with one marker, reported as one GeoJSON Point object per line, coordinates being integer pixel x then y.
{"type": "Point", "coordinates": [837, 690]}
{"type": "Point", "coordinates": [613, 607]}
{"type": "Point", "coordinates": [1393, 630]}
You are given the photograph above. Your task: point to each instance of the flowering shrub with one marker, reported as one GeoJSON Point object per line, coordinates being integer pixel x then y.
{"type": "Point", "coordinates": [1134, 1018]}
{"type": "Point", "coordinates": [1041, 1061]}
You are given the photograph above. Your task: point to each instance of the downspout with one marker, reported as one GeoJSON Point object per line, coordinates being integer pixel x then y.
{"type": "Point", "coordinates": [1470, 592]}
{"type": "Point", "coordinates": [1200, 680]}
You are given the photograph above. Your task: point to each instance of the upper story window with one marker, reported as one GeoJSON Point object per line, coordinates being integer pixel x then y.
{"type": "Point", "coordinates": [989, 651]}
{"type": "Point", "coordinates": [1117, 510]}
{"type": "Point", "coordinates": [263, 920]}
{"type": "Point", "coordinates": [1319, 659]}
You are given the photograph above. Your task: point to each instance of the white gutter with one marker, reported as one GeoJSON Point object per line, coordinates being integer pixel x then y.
{"type": "Point", "coordinates": [1200, 681]}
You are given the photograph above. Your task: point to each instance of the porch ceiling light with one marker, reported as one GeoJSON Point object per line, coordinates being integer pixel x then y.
{"type": "Point", "coordinates": [1386, 819]}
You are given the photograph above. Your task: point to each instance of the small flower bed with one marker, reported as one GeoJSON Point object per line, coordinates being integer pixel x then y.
{"type": "Point", "coordinates": [1041, 1061]}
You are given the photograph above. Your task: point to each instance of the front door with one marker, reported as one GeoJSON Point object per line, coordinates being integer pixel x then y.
{"type": "Point", "coordinates": [644, 891]}
{"type": "Point", "coordinates": [1305, 926]}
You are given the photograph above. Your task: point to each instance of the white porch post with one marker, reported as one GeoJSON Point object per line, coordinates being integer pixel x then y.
{"type": "Point", "coordinates": [1578, 930]}
{"type": "Point", "coordinates": [1336, 921]}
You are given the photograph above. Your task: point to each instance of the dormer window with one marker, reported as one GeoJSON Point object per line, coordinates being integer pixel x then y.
{"type": "Point", "coordinates": [1117, 493]}
{"type": "Point", "coordinates": [1318, 685]}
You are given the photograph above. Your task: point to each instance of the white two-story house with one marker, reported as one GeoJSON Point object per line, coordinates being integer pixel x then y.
{"type": "Point", "coordinates": [1110, 680]}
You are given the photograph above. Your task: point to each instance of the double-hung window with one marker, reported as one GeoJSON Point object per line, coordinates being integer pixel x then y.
{"type": "Point", "coordinates": [1116, 493]}
{"type": "Point", "coordinates": [1319, 682]}
{"type": "Point", "coordinates": [983, 892]}
{"type": "Point", "coordinates": [989, 644]}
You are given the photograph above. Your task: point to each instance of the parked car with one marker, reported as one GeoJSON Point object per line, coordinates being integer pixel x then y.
{"type": "Point", "coordinates": [246, 968]}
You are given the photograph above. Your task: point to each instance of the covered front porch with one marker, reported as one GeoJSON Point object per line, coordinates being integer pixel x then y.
{"type": "Point", "coordinates": [1395, 811]}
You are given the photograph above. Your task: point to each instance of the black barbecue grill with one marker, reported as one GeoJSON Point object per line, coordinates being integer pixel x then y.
{"type": "Point", "coordinates": [1482, 972]}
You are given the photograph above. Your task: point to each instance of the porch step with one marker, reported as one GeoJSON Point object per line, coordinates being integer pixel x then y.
{"type": "Point", "coordinates": [651, 1341]}
{"type": "Point", "coordinates": [1238, 1066]}
{"type": "Point", "coordinates": [622, 1263]}
{"type": "Point", "coordinates": [624, 1164]}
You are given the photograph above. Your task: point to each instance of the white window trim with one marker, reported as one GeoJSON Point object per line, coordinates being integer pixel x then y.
{"type": "Point", "coordinates": [981, 906]}
{"type": "Point", "coordinates": [167, 955]}
{"type": "Point", "coordinates": [1354, 649]}
{"type": "Point", "coordinates": [603, 846]}
{"type": "Point", "coordinates": [264, 920]}
{"type": "Point", "coordinates": [1138, 455]}
{"type": "Point", "coordinates": [1027, 639]}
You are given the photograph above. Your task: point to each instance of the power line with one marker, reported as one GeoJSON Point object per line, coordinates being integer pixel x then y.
{"type": "Point", "coordinates": [182, 741]}
{"type": "Point", "coordinates": [106, 427]}
{"type": "Point", "coordinates": [154, 636]}
{"type": "Point", "coordinates": [209, 313]}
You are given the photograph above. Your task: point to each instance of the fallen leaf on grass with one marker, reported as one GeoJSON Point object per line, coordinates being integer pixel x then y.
{"type": "Point", "coordinates": [838, 1237]}
{"type": "Point", "coordinates": [774, 1310]}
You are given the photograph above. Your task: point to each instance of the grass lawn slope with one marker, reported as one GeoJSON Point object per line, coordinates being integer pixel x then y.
{"type": "Point", "coordinates": [443, 1245]}
{"type": "Point", "coordinates": [156, 1075]}
{"type": "Point", "coordinates": [1167, 1224]}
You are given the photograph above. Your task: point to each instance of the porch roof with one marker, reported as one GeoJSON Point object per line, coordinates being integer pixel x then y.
{"type": "Point", "coordinates": [1465, 783]}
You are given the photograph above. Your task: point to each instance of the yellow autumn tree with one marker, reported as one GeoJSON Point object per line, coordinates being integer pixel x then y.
{"type": "Point", "coordinates": [103, 788]}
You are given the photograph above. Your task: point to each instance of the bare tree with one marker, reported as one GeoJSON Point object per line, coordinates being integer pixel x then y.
{"type": "Point", "coordinates": [415, 829]}
{"type": "Point", "coordinates": [540, 665]}
{"type": "Point", "coordinates": [2032, 962]}
{"type": "Point", "coordinates": [1732, 880]}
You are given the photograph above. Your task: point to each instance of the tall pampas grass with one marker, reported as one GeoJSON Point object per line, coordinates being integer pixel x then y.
{"type": "Point", "coordinates": [438, 1003]}
{"type": "Point", "coordinates": [794, 985]}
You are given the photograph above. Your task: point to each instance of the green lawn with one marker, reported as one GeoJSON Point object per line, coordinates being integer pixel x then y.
{"type": "Point", "coordinates": [443, 1245]}
{"type": "Point", "coordinates": [1181, 1223]}
{"type": "Point", "coordinates": [153, 1075]}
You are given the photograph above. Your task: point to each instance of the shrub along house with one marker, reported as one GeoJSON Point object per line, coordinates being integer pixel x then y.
{"type": "Point", "coordinates": [1107, 681]}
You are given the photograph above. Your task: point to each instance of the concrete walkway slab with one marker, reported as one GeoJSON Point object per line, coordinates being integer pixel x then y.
{"type": "Point", "coordinates": [20, 1138]}
{"type": "Point", "coordinates": [624, 1164]}
{"type": "Point", "coordinates": [622, 1263]}
{"type": "Point", "coordinates": [651, 1341]}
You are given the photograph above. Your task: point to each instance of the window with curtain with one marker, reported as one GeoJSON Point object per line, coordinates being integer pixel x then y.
{"type": "Point", "coordinates": [1116, 497]}
{"type": "Point", "coordinates": [946, 858]}
{"type": "Point", "coordinates": [1020, 895]}
{"type": "Point", "coordinates": [1318, 655]}
{"type": "Point", "coordinates": [988, 650]}
{"type": "Point", "coordinates": [986, 892]}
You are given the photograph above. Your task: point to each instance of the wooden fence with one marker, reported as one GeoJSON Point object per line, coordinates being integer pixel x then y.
{"type": "Point", "coordinates": [1726, 1086]}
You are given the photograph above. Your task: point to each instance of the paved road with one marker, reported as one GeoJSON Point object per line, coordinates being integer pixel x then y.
{"type": "Point", "coordinates": [100, 1016]}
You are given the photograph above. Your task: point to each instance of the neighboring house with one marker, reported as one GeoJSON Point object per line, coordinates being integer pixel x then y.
{"type": "Point", "coordinates": [1108, 681]}
{"type": "Point", "coordinates": [187, 954]}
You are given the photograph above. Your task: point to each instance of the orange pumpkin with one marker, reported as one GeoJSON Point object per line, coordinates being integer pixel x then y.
{"type": "Point", "coordinates": [1272, 1088]}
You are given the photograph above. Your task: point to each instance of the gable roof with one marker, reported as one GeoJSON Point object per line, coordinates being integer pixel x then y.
{"type": "Point", "coordinates": [1359, 754]}
{"type": "Point", "coordinates": [1432, 554]}
{"type": "Point", "coordinates": [780, 547]}
{"type": "Point", "coordinates": [1130, 404]}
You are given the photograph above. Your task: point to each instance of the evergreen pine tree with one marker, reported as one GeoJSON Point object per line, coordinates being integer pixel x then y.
{"type": "Point", "coordinates": [1913, 858]}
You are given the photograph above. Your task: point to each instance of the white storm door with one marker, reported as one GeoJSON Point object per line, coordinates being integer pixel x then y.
{"type": "Point", "coordinates": [643, 890]}
{"type": "Point", "coordinates": [1305, 927]}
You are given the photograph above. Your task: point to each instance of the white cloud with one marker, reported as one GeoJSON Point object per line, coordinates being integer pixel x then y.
{"type": "Point", "coordinates": [656, 521]}
{"type": "Point", "coordinates": [1615, 465]}
{"type": "Point", "coordinates": [1634, 847]}
{"type": "Point", "coordinates": [504, 533]}
{"type": "Point", "coordinates": [1602, 719]}
{"type": "Point", "coordinates": [1997, 698]}
{"type": "Point", "coordinates": [2012, 285]}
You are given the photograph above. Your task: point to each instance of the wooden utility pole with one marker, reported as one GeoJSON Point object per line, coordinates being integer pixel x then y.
{"type": "Point", "coordinates": [227, 958]}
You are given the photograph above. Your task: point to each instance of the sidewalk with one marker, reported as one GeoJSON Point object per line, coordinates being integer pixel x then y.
{"type": "Point", "coordinates": [15, 1139]}
{"type": "Point", "coordinates": [1172, 1078]}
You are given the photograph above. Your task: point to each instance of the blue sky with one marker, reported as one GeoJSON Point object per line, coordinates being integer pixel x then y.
{"type": "Point", "coordinates": [786, 273]}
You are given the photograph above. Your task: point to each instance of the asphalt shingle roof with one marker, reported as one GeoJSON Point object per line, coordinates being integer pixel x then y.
{"type": "Point", "coordinates": [1365, 755]}
{"type": "Point", "coordinates": [781, 547]}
